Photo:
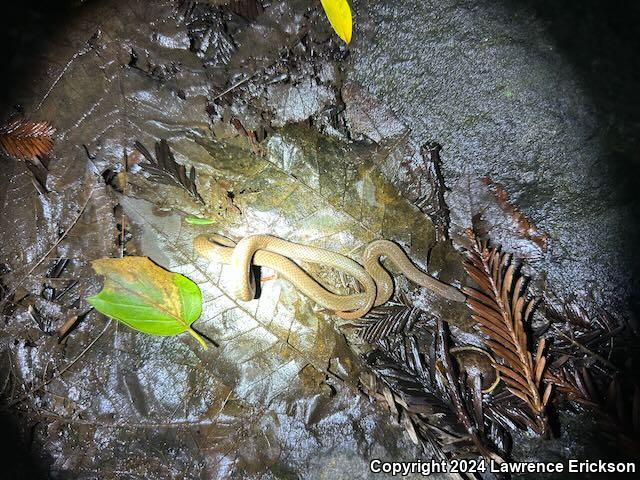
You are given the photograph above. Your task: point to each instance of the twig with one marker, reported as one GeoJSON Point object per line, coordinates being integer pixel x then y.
{"type": "Point", "coordinates": [241, 82]}
{"type": "Point", "coordinates": [123, 234]}
{"type": "Point", "coordinates": [37, 264]}
{"type": "Point", "coordinates": [61, 372]}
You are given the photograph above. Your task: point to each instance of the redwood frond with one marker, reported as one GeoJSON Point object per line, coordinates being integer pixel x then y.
{"type": "Point", "coordinates": [500, 306]}
{"type": "Point", "coordinates": [25, 140]}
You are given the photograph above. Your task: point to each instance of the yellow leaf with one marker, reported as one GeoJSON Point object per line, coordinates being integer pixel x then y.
{"type": "Point", "coordinates": [146, 297]}
{"type": "Point", "coordinates": [339, 15]}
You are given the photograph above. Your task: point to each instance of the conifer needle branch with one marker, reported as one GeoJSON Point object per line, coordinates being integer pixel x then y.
{"type": "Point", "coordinates": [500, 306]}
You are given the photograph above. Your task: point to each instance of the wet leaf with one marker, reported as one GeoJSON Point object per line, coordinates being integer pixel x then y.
{"type": "Point", "coordinates": [339, 15]}
{"type": "Point", "coordinates": [308, 189]}
{"type": "Point", "coordinates": [146, 297]}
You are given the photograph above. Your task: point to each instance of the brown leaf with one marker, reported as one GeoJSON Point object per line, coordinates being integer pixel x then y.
{"type": "Point", "coordinates": [540, 364]}
{"type": "Point", "coordinates": [547, 394]}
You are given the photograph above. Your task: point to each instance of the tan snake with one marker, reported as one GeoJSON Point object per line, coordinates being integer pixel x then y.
{"type": "Point", "coordinates": [276, 254]}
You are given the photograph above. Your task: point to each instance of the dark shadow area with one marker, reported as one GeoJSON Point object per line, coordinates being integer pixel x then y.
{"type": "Point", "coordinates": [26, 29]}
{"type": "Point", "coordinates": [17, 458]}
{"type": "Point", "coordinates": [601, 39]}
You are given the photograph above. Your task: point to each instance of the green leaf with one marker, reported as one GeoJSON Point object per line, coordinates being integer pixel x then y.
{"type": "Point", "coordinates": [339, 15]}
{"type": "Point", "coordinates": [146, 297]}
{"type": "Point", "coordinates": [199, 221]}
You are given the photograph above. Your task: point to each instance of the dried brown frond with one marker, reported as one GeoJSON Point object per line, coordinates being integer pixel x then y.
{"type": "Point", "coordinates": [427, 419]}
{"type": "Point", "coordinates": [575, 385]}
{"type": "Point", "coordinates": [618, 414]}
{"type": "Point", "coordinates": [25, 140]}
{"type": "Point", "coordinates": [502, 310]}
{"type": "Point", "coordinates": [525, 227]}
{"type": "Point", "coordinates": [165, 169]}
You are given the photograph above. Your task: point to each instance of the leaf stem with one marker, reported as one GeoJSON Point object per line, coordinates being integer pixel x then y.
{"type": "Point", "coordinates": [200, 340]}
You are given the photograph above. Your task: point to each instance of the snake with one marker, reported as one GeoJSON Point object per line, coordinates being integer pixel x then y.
{"type": "Point", "coordinates": [277, 254]}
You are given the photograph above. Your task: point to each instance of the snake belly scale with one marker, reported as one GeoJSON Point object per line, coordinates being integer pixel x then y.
{"type": "Point", "coordinates": [279, 255]}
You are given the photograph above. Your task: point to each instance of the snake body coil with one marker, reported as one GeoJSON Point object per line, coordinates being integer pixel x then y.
{"type": "Point", "coordinates": [275, 253]}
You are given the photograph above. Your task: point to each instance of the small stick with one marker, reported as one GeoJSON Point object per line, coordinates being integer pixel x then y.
{"type": "Point", "coordinates": [236, 85]}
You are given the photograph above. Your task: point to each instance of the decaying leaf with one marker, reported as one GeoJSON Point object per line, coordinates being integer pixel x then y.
{"type": "Point", "coordinates": [146, 297]}
{"type": "Point", "coordinates": [25, 140]}
{"type": "Point", "coordinates": [502, 310]}
{"type": "Point", "coordinates": [434, 204]}
{"type": "Point", "coordinates": [339, 15]}
{"type": "Point", "coordinates": [312, 197]}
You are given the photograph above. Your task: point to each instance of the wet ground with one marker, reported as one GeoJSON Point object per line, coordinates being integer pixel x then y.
{"type": "Point", "coordinates": [294, 134]}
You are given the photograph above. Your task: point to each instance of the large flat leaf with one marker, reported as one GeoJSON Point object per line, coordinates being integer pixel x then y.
{"type": "Point", "coordinates": [147, 298]}
{"type": "Point", "coordinates": [308, 189]}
